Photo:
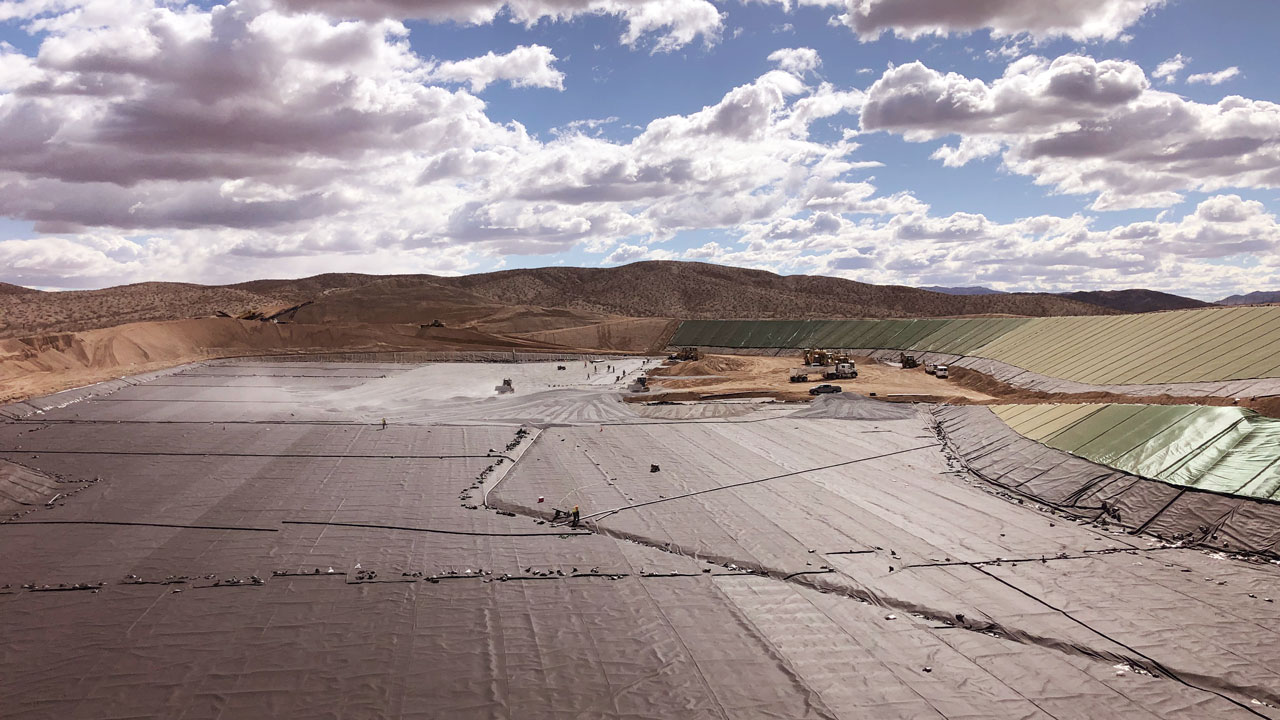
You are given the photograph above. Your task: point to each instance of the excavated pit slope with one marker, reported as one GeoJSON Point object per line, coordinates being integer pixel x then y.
{"type": "Point", "coordinates": [1186, 347]}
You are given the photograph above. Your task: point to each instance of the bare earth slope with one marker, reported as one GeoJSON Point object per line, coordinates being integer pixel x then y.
{"type": "Point", "coordinates": [33, 313]}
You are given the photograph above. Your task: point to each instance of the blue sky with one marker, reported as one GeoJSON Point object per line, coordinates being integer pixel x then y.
{"type": "Point", "coordinates": [215, 143]}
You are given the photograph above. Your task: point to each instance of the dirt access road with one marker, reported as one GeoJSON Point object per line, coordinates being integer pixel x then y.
{"type": "Point", "coordinates": [717, 375]}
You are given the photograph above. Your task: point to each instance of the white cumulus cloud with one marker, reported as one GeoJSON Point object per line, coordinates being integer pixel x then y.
{"type": "Point", "coordinates": [1076, 19]}
{"type": "Point", "coordinates": [1213, 78]}
{"type": "Point", "coordinates": [1168, 70]}
{"type": "Point", "coordinates": [1083, 126]}
{"type": "Point", "coordinates": [668, 24]}
{"type": "Point", "coordinates": [525, 66]}
{"type": "Point", "coordinates": [796, 60]}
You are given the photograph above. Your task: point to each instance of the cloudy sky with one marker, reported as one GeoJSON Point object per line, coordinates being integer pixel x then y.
{"type": "Point", "coordinates": [1017, 144]}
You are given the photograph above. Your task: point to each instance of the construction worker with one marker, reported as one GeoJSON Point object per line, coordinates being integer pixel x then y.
{"type": "Point", "coordinates": [384, 423]}
{"type": "Point", "coordinates": [575, 516]}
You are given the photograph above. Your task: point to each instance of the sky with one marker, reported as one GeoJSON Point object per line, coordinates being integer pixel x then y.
{"type": "Point", "coordinates": [1045, 145]}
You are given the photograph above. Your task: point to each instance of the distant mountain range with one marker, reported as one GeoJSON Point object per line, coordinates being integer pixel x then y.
{"type": "Point", "coordinates": [1253, 298]}
{"type": "Point", "coordinates": [1136, 300]}
{"type": "Point", "coordinates": [975, 290]}
{"type": "Point", "coordinates": [1129, 301]}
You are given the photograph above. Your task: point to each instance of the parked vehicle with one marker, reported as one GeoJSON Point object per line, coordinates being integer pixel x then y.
{"type": "Point", "coordinates": [842, 371]}
{"type": "Point", "coordinates": [940, 371]}
{"type": "Point", "coordinates": [825, 389]}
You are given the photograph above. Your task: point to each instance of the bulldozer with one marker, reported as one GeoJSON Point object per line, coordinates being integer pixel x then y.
{"type": "Point", "coordinates": [505, 387]}
{"type": "Point", "coordinates": [908, 361]}
{"type": "Point", "coordinates": [686, 353]}
{"type": "Point", "coordinates": [639, 385]}
{"type": "Point", "coordinates": [814, 357]}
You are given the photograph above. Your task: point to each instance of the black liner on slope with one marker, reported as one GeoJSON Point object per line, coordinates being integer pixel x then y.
{"type": "Point", "coordinates": [997, 453]}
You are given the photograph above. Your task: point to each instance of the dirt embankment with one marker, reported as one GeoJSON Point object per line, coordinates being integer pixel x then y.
{"type": "Point", "coordinates": [724, 376]}
{"type": "Point", "coordinates": [648, 335]}
{"type": "Point", "coordinates": [721, 376]}
{"type": "Point", "coordinates": [44, 364]}
{"type": "Point", "coordinates": [712, 365]}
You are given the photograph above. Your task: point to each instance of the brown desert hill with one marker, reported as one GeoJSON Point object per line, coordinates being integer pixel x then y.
{"type": "Point", "coordinates": [316, 285]}
{"type": "Point", "coordinates": [703, 291]}
{"type": "Point", "coordinates": [7, 289]}
{"type": "Point", "coordinates": [516, 301]}
{"type": "Point", "coordinates": [1135, 300]}
{"type": "Point", "coordinates": [422, 299]}
{"type": "Point", "coordinates": [658, 289]}
{"type": "Point", "coordinates": [53, 312]}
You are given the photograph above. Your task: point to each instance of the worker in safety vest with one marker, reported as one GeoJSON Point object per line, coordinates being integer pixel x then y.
{"type": "Point", "coordinates": [384, 423]}
{"type": "Point", "coordinates": [575, 516]}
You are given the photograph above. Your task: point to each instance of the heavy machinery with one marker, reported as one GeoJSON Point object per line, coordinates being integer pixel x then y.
{"type": "Point", "coordinates": [640, 385]}
{"type": "Point", "coordinates": [814, 357]}
{"type": "Point", "coordinates": [908, 361]}
{"type": "Point", "coordinates": [505, 387]}
{"type": "Point", "coordinates": [841, 371]}
{"type": "Point", "coordinates": [686, 353]}
{"type": "Point", "coordinates": [799, 375]}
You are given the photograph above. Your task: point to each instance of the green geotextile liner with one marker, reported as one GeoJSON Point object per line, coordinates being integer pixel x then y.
{"type": "Point", "coordinates": [959, 336]}
{"type": "Point", "coordinates": [1221, 449]}
{"type": "Point", "coordinates": [1206, 345]}
{"type": "Point", "coordinates": [1210, 344]}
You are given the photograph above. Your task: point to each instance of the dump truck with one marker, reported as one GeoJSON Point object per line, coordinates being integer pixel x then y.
{"type": "Point", "coordinates": [908, 361]}
{"type": "Point", "coordinates": [841, 371]}
{"type": "Point", "coordinates": [799, 375]}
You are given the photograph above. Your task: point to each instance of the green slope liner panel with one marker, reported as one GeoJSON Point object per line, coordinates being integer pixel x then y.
{"type": "Point", "coordinates": [957, 336]}
{"type": "Point", "coordinates": [1222, 449]}
{"type": "Point", "coordinates": [1204, 345]}
{"type": "Point", "coordinates": [1210, 344]}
